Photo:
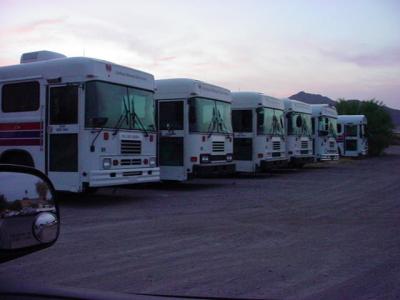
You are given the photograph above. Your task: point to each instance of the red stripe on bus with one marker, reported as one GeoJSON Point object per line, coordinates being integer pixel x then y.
{"type": "Point", "coordinates": [20, 142]}
{"type": "Point", "coordinates": [20, 126]}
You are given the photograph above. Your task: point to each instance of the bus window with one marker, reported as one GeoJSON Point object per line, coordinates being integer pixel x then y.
{"type": "Point", "coordinates": [64, 105]}
{"type": "Point", "coordinates": [339, 128]}
{"type": "Point", "coordinates": [350, 130]}
{"type": "Point", "coordinates": [19, 97]}
{"type": "Point", "coordinates": [242, 120]}
{"type": "Point", "coordinates": [171, 115]}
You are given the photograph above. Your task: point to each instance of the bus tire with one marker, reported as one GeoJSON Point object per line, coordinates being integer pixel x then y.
{"type": "Point", "coordinates": [17, 157]}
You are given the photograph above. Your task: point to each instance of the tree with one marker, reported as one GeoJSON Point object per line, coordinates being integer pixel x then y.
{"type": "Point", "coordinates": [42, 190]}
{"type": "Point", "coordinates": [380, 126]}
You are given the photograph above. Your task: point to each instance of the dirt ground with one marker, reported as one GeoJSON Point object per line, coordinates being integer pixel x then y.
{"type": "Point", "coordinates": [328, 231]}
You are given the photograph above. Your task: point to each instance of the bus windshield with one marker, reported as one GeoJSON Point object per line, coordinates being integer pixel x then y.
{"type": "Point", "coordinates": [299, 124]}
{"type": "Point", "coordinates": [127, 107]}
{"type": "Point", "coordinates": [270, 121]}
{"type": "Point", "coordinates": [208, 115]}
{"type": "Point", "coordinates": [327, 126]}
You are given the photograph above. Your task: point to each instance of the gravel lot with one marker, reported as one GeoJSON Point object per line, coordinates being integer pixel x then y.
{"type": "Point", "coordinates": [328, 231]}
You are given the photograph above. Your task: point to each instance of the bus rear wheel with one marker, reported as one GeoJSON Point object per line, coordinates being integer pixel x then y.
{"type": "Point", "coordinates": [21, 158]}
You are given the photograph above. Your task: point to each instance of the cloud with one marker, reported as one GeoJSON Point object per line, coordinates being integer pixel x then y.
{"type": "Point", "coordinates": [30, 27]}
{"type": "Point", "coordinates": [387, 57]}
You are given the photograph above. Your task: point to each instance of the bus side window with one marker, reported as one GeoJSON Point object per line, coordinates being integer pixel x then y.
{"type": "Point", "coordinates": [20, 97]}
{"type": "Point", "coordinates": [313, 125]}
{"type": "Point", "coordinates": [339, 128]}
{"type": "Point", "coordinates": [64, 105]}
{"type": "Point", "coordinates": [171, 115]}
{"type": "Point", "coordinates": [242, 120]}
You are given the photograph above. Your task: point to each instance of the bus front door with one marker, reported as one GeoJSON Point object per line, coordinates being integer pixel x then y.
{"type": "Point", "coordinates": [171, 139]}
{"type": "Point", "coordinates": [62, 130]}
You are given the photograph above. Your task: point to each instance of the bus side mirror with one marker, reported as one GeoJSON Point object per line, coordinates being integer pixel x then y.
{"type": "Point", "coordinates": [29, 217]}
{"type": "Point", "coordinates": [98, 121]}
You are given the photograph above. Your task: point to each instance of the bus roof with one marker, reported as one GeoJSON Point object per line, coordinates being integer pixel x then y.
{"type": "Point", "coordinates": [323, 110]}
{"type": "Point", "coordinates": [352, 119]}
{"type": "Point", "coordinates": [183, 88]}
{"type": "Point", "coordinates": [77, 69]}
{"type": "Point", "coordinates": [254, 100]}
{"type": "Point", "coordinates": [297, 106]}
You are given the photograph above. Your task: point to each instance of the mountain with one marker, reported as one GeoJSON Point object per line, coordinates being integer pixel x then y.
{"type": "Point", "coordinates": [319, 99]}
{"type": "Point", "coordinates": [312, 98]}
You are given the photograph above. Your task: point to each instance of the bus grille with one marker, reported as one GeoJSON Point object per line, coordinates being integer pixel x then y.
{"type": "Point", "coordinates": [304, 144]}
{"type": "Point", "coordinates": [130, 162]}
{"type": "Point", "coordinates": [131, 147]}
{"type": "Point", "coordinates": [276, 146]}
{"type": "Point", "coordinates": [218, 146]}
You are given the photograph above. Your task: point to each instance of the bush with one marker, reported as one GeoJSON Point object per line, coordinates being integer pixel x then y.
{"type": "Point", "coordinates": [380, 125]}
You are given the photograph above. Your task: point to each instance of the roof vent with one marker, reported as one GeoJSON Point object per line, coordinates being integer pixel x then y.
{"type": "Point", "coordinates": [40, 56]}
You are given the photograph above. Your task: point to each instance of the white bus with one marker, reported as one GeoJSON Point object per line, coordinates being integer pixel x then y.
{"type": "Point", "coordinates": [352, 138]}
{"type": "Point", "coordinates": [195, 129]}
{"type": "Point", "coordinates": [324, 129]}
{"type": "Point", "coordinates": [259, 132]}
{"type": "Point", "coordinates": [298, 132]}
{"type": "Point", "coordinates": [86, 123]}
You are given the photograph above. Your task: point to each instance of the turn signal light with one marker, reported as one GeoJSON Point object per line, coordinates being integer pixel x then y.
{"type": "Point", "coordinates": [193, 159]}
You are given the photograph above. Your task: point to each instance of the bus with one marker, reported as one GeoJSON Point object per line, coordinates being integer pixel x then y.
{"type": "Point", "coordinates": [259, 132]}
{"type": "Point", "coordinates": [86, 123]}
{"type": "Point", "coordinates": [195, 129]}
{"type": "Point", "coordinates": [324, 130]}
{"type": "Point", "coordinates": [352, 135]}
{"type": "Point", "coordinates": [298, 132]}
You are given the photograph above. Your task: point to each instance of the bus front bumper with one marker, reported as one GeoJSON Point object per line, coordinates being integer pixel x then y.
{"type": "Point", "coordinates": [302, 159]}
{"type": "Point", "coordinates": [328, 157]}
{"type": "Point", "coordinates": [100, 178]}
{"type": "Point", "coordinates": [213, 169]}
{"type": "Point", "coordinates": [269, 164]}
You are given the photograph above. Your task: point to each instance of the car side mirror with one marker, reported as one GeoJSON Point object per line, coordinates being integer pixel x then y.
{"type": "Point", "coordinates": [29, 216]}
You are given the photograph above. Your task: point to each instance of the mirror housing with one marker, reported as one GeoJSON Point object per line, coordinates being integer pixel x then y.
{"type": "Point", "coordinates": [98, 121]}
{"type": "Point", "coordinates": [29, 215]}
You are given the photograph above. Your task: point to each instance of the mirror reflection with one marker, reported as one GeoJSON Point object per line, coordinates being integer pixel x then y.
{"type": "Point", "coordinates": [28, 215]}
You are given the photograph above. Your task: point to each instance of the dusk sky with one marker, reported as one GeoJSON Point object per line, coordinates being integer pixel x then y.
{"type": "Point", "coordinates": [348, 49]}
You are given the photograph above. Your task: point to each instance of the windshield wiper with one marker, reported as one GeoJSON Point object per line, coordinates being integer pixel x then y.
{"type": "Point", "coordinates": [136, 119]}
{"type": "Point", "coordinates": [222, 124]}
{"type": "Point", "coordinates": [212, 124]}
{"type": "Point", "coordinates": [122, 117]}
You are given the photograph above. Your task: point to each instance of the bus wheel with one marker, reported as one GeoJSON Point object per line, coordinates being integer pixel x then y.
{"type": "Point", "coordinates": [17, 158]}
{"type": "Point", "coordinates": [87, 190]}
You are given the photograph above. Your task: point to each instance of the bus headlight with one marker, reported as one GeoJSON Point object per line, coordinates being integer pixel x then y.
{"type": "Point", "coordinates": [229, 157]}
{"type": "Point", "coordinates": [204, 158]}
{"type": "Point", "coordinates": [107, 163]}
{"type": "Point", "coordinates": [152, 162]}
